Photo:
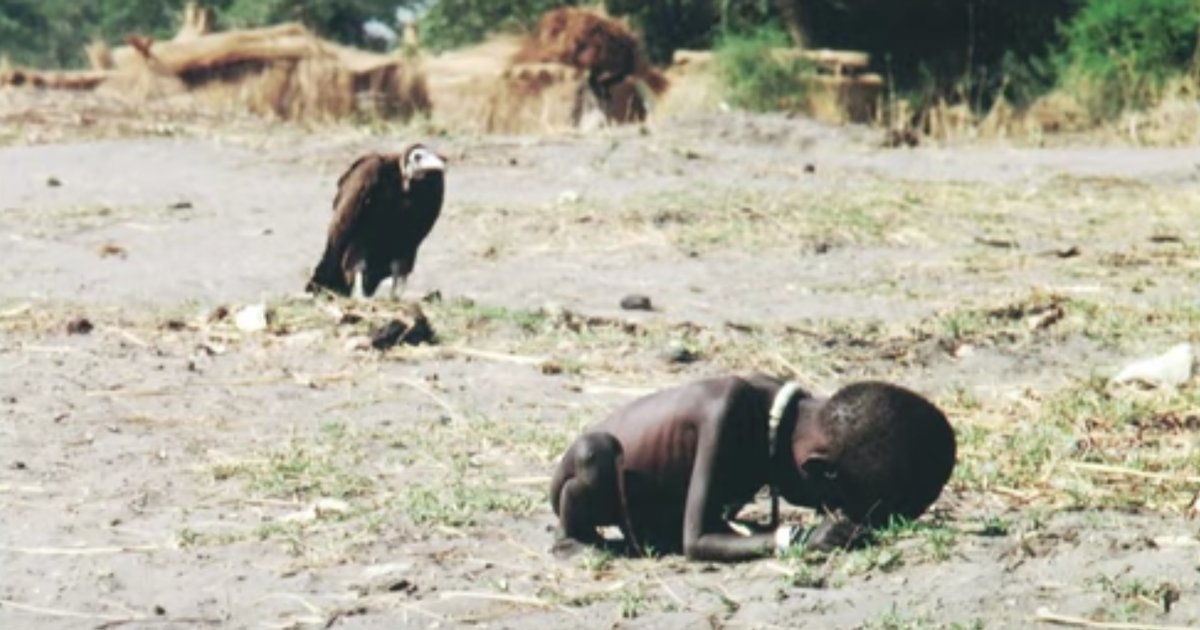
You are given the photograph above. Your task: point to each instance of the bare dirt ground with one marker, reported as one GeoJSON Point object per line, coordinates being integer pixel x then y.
{"type": "Point", "coordinates": [167, 469]}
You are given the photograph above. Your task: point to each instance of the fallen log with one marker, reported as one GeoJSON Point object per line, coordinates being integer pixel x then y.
{"type": "Point", "coordinates": [54, 80]}
{"type": "Point", "coordinates": [285, 42]}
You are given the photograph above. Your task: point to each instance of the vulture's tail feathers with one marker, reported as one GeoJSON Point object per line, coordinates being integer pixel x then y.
{"type": "Point", "coordinates": [328, 275]}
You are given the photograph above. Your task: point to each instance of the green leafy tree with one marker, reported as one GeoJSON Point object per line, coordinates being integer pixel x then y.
{"type": "Point", "coordinates": [669, 25]}
{"type": "Point", "coordinates": [1120, 53]}
{"type": "Point", "coordinates": [340, 20]}
{"type": "Point", "coordinates": [968, 50]}
{"type": "Point", "coordinates": [454, 23]}
{"type": "Point", "coordinates": [22, 24]}
{"type": "Point", "coordinates": [54, 32]}
{"type": "Point", "coordinates": [116, 19]}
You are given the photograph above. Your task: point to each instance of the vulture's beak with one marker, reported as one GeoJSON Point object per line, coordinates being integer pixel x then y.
{"type": "Point", "coordinates": [426, 162]}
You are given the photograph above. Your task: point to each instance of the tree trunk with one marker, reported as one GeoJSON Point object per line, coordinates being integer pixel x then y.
{"type": "Point", "coordinates": [790, 11]}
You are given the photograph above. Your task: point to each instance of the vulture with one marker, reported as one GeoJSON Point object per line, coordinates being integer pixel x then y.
{"type": "Point", "coordinates": [385, 206]}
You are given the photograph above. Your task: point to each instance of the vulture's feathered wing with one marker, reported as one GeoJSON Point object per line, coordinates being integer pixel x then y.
{"type": "Point", "coordinates": [386, 204]}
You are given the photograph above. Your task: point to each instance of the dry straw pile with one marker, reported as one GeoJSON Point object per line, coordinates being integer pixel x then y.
{"type": "Point", "coordinates": [282, 70]}
{"type": "Point", "coordinates": [545, 81]}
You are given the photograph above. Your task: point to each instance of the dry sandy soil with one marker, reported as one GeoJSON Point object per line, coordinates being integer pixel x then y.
{"type": "Point", "coordinates": [167, 469]}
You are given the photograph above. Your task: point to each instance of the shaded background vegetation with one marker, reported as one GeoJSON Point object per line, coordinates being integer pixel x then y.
{"type": "Point", "coordinates": [1120, 54]}
{"type": "Point", "coordinates": [54, 32]}
{"type": "Point", "coordinates": [452, 23]}
{"type": "Point", "coordinates": [947, 48]}
{"type": "Point", "coordinates": [1113, 54]}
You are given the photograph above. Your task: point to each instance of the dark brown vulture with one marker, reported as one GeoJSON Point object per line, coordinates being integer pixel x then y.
{"type": "Point", "coordinates": [385, 206]}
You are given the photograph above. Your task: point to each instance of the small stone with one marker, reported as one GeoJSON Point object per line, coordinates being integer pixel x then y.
{"type": "Point", "coordinates": [680, 354]}
{"type": "Point", "coordinates": [391, 578]}
{"type": "Point", "coordinates": [402, 586]}
{"type": "Point", "coordinates": [398, 331]}
{"type": "Point", "coordinates": [389, 335]}
{"type": "Point", "coordinates": [211, 348]}
{"type": "Point", "coordinates": [1170, 369]}
{"type": "Point", "coordinates": [19, 465]}
{"type": "Point", "coordinates": [356, 343]}
{"type": "Point", "coordinates": [252, 318]}
{"type": "Point", "coordinates": [112, 249]}
{"type": "Point", "coordinates": [321, 508]}
{"type": "Point", "coordinates": [1046, 318]}
{"type": "Point", "coordinates": [79, 326]}
{"type": "Point", "coordinates": [810, 168]}
{"type": "Point", "coordinates": [636, 302]}
{"type": "Point", "coordinates": [53, 182]}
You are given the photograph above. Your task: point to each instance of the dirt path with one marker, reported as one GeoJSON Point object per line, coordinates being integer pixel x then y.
{"type": "Point", "coordinates": [169, 470]}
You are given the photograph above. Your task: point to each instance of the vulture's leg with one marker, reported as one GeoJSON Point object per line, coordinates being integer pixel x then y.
{"type": "Point", "coordinates": [399, 280]}
{"type": "Point", "coordinates": [356, 292]}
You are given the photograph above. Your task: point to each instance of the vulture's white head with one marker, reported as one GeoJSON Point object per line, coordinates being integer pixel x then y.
{"type": "Point", "coordinates": [420, 161]}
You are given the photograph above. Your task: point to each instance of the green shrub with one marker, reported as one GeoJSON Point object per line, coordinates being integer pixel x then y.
{"type": "Point", "coordinates": [962, 50]}
{"type": "Point", "coordinates": [668, 25]}
{"type": "Point", "coordinates": [340, 20]}
{"type": "Point", "coordinates": [756, 79]}
{"type": "Point", "coordinates": [22, 28]}
{"type": "Point", "coordinates": [1119, 54]}
{"type": "Point", "coordinates": [53, 32]}
{"type": "Point", "coordinates": [455, 23]}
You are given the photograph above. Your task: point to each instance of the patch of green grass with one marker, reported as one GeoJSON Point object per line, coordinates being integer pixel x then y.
{"type": "Point", "coordinates": [472, 487]}
{"type": "Point", "coordinates": [995, 526]}
{"type": "Point", "coordinates": [1116, 326]}
{"type": "Point", "coordinates": [880, 557]}
{"type": "Point", "coordinates": [464, 316]}
{"type": "Point", "coordinates": [1087, 445]}
{"type": "Point", "coordinates": [939, 538]}
{"type": "Point", "coordinates": [756, 77]}
{"type": "Point", "coordinates": [804, 575]}
{"type": "Point", "coordinates": [632, 601]}
{"type": "Point", "coordinates": [597, 560]}
{"type": "Point", "coordinates": [895, 618]}
{"type": "Point", "coordinates": [911, 215]}
{"type": "Point", "coordinates": [941, 541]}
{"type": "Point", "coordinates": [707, 220]}
{"type": "Point", "coordinates": [537, 442]}
{"type": "Point", "coordinates": [1039, 317]}
{"type": "Point", "coordinates": [302, 471]}
{"type": "Point", "coordinates": [1135, 594]}
{"type": "Point", "coordinates": [461, 502]}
